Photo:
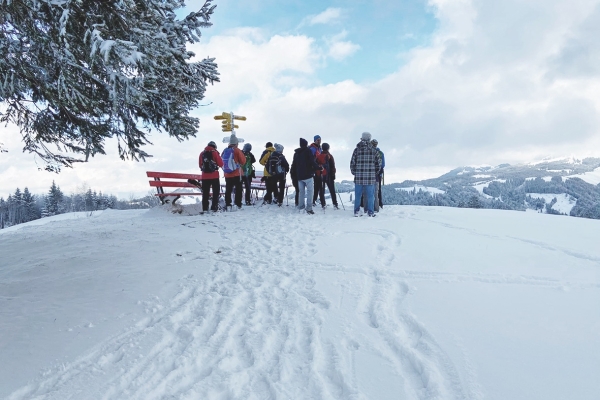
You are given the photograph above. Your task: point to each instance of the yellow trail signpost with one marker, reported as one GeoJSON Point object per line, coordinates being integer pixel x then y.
{"type": "Point", "coordinates": [228, 125]}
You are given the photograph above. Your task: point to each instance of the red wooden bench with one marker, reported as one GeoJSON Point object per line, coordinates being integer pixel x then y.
{"type": "Point", "coordinates": [162, 180]}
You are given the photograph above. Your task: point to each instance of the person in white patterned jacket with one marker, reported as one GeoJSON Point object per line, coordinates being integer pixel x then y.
{"type": "Point", "coordinates": [365, 164]}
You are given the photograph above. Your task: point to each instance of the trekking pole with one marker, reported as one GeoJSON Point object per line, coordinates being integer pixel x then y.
{"type": "Point", "coordinates": [341, 201]}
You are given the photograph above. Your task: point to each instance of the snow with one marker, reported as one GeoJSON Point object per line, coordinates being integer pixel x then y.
{"type": "Point", "coordinates": [564, 202]}
{"type": "Point", "coordinates": [417, 188]}
{"type": "Point", "coordinates": [418, 303]}
{"type": "Point", "coordinates": [592, 177]}
{"type": "Point", "coordinates": [545, 178]}
{"type": "Point", "coordinates": [481, 176]}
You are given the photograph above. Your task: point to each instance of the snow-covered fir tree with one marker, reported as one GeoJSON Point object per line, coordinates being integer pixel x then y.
{"type": "Point", "coordinates": [3, 212]}
{"type": "Point", "coordinates": [94, 70]}
{"type": "Point", "coordinates": [30, 211]}
{"type": "Point", "coordinates": [54, 200]}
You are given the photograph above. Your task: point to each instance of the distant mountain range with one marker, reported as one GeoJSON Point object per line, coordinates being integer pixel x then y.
{"type": "Point", "coordinates": [560, 186]}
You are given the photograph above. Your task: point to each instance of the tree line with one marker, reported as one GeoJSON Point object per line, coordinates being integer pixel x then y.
{"type": "Point", "coordinates": [23, 206]}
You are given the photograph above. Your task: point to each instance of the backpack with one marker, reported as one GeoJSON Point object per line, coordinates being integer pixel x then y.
{"type": "Point", "coordinates": [248, 168]}
{"type": "Point", "coordinates": [208, 164]}
{"type": "Point", "coordinates": [274, 167]}
{"type": "Point", "coordinates": [229, 164]}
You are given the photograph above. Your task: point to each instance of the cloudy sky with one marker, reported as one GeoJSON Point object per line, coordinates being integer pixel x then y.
{"type": "Point", "coordinates": [440, 84]}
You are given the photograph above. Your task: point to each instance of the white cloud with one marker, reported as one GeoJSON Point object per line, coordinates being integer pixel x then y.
{"type": "Point", "coordinates": [329, 16]}
{"type": "Point", "coordinates": [499, 83]}
{"type": "Point", "coordinates": [339, 48]}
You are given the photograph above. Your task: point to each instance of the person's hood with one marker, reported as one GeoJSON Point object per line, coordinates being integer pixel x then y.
{"type": "Point", "coordinates": [363, 143]}
{"type": "Point", "coordinates": [303, 143]}
{"type": "Point", "coordinates": [210, 148]}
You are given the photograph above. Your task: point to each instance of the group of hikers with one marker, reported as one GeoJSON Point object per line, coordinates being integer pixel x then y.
{"type": "Point", "coordinates": [312, 170]}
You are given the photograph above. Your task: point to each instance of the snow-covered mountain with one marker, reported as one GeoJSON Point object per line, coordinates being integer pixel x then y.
{"type": "Point", "coordinates": [418, 303]}
{"type": "Point", "coordinates": [559, 186]}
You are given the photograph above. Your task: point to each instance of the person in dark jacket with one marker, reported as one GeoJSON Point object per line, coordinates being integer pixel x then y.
{"type": "Point", "coordinates": [319, 191]}
{"type": "Point", "coordinates": [248, 172]}
{"type": "Point", "coordinates": [377, 191]}
{"type": "Point", "coordinates": [210, 179]}
{"type": "Point", "coordinates": [328, 173]}
{"type": "Point", "coordinates": [303, 171]}
{"type": "Point", "coordinates": [279, 180]}
{"type": "Point", "coordinates": [364, 165]}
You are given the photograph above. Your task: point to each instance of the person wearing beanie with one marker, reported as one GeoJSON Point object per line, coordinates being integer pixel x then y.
{"type": "Point", "coordinates": [270, 184]}
{"type": "Point", "coordinates": [319, 191]}
{"type": "Point", "coordinates": [278, 167]}
{"type": "Point", "coordinates": [377, 200]}
{"type": "Point", "coordinates": [365, 164]}
{"type": "Point", "coordinates": [233, 159]}
{"type": "Point", "coordinates": [302, 172]}
{"type": "Point", "coordinates": [329, 176]}
{"type": "Point", "coordinates": [210, 161]}
{"type": "Point", "coordinates": [248, 173]}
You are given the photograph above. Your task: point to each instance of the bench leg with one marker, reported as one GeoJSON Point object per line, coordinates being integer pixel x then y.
{"type": "Point", "coordinates": [160, 190]}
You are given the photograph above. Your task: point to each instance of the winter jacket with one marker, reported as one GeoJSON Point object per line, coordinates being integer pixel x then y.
{"type": "Point", "coordinates": [265, 157]}
{"type": "Point", "coordinates": [216, 158]}
{"type": "Point", "coordinates": [316, 151]}
{"type": "Point", "coordinates": [365, 163]}
{"type": "Point", "coordinates": [240, 159]}
{"type": "Point", "coordinates": [303, 164]}
{"type": "Point", "coordinates": [328, 165]}
{"type": "Point", "coordinates": [382, 164]}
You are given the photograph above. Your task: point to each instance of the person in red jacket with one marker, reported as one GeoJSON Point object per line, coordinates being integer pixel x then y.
{"type": "Point", "coordinates": [210, 160]}
{"type": "Point", "coordinates": [233, 159]}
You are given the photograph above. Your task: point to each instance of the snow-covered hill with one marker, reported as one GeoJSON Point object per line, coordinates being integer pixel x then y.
{"type": "Point", "coordinates": [418, 303]}
{"type": "Point", "coordinates": [557, 186]}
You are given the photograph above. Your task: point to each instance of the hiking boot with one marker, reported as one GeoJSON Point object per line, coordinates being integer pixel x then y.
{"type": "Point", "coordinates": [238, 207]}
{"type": "Point", "coordinates": [357, 214]}
{"type": "Point", "coordinates": [335, 207]}
{"type": "Point", "coordinates": [311, 212]}
{"type": "Point", "coordinates": [324, 207]}
{"type": "Point", "coordinates": [372, 215]}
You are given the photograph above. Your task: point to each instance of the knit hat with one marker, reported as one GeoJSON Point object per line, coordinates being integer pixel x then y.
{"type": "Point", "coordinates": [374, 142]}
{"type": "Point", "coordinates": [212, 144]}
{"type": "Point", "coordinates": [233, 139]}
{"type": "Point", "coordinates": [247, 147]}
{"type": "Point", "coordinates": [303, 143]}
{"type": "Point", "coordinates": [269, 144]}
{"type": "Point", "coordinates": [317, 137]}
{"type": "Point", "coordinates": [366, 136]}
{"type": "Point", "coordinates": [278, 148]}
{"type": "Point", "coordinates": [325, 146]}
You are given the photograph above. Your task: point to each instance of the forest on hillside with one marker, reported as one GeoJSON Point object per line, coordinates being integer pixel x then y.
{"type": "Point", "coordinates": [23, 206]}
